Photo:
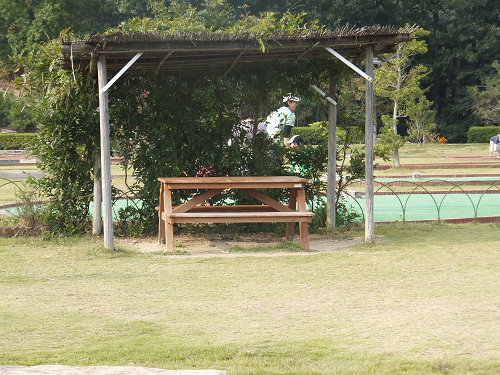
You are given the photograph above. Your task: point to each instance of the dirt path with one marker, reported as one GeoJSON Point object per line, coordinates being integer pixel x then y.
{"type": "Point", "coordinates": [220, 244]}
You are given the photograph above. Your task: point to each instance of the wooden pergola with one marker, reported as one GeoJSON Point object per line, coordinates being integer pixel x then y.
{"type": "Point", "coordinates": [146, 53]}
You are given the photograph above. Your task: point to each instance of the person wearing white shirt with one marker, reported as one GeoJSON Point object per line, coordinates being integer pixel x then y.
{"type": "Point", "coordinates": [283, 119]}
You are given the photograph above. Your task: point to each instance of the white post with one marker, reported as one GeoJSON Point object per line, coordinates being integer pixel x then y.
{"type": "Point", "coordinates": [369, 225]}
{"type": "Point", "coordinates": [97, 215]}
{"type": "Point", "coordinates": [105, 154]}
{"type": "Point", "coordinates": [332, 158]}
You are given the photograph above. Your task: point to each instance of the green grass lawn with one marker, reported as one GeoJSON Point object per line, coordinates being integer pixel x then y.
{"type": "Point", "coordinates": [423, 299]}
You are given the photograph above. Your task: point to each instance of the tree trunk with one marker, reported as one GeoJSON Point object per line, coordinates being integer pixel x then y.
{"type": "Point", "coordinates": [395, 159]}
{"type": "Point", "coordinates": [437, 76]}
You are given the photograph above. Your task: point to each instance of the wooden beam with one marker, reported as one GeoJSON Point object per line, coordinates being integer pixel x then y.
{"type": "Point", "coordinates": [93, 64]}
{"type": "Point", "coordinates": [306, 51]}
{"type": "Point", "coordinates": [105, 154]}
{"type": "Point", "coordinates": [369, 156]}
{"type": "Point", "coordinates": [235, 61]}
{"type": "Point", "coordinates": [134, 47]}
{"type": "Point", "coordinates": [162, 61]}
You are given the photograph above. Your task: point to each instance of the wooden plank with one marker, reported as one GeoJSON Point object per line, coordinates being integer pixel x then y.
{"type": "Point", "coordinates": [229, 180]}
{"type": "Point", "coordinates": [266, 200]}
{"type": "Point", "coordinates": [240, 217]}
{"type": "Point", "coordinates": [243, 208]}
{"type": "Point", "coordinates": [199, 199]}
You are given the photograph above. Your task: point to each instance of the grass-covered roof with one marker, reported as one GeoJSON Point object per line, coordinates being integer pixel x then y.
{"type": "Point", "coordinates": [221, 52]}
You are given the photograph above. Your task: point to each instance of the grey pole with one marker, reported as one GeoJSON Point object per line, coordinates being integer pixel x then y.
{"type": "Point", "coordinates": [105, 154]}
{"type": "Point", "coordinates": [97, 214]}
{"type": "Point", "coordinates": [332, 156]}
{"type": "Point", "coordinates": [369, 225]}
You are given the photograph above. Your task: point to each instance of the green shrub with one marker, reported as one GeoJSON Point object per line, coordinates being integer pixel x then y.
{"type": "Point", "coordinates": [16, 141]}
{"type": "Point", "coordinates": [482, 134]}
{"type": "Point", "coordinates": [313, 134]}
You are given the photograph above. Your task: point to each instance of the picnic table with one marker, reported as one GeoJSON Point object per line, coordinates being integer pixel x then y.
{"type": "Point", "coordinates": [193, 210]}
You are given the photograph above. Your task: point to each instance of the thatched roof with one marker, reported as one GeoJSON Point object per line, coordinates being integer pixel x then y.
{"type": "Point", "coordinates": [201, 51]}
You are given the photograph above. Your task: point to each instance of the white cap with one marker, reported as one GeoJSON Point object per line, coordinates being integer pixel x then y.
{"type": "Point", "coordinates": [291, 97]}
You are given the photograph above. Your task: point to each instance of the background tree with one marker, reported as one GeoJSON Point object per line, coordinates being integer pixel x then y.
{"type": "Point", "coordinates": [487, 98]}
{"type": "Point", "coordinates": [421, 120]}
{"type": "Point", "coordinates": [399, 81]}
{"type": "Point", "coordinates": [24, 24]}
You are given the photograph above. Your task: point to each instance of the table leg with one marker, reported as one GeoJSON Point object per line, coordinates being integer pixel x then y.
{"type": "Point", "coordinates": [292, 203]}
{"type": "Point", "coordinates": [304, 231]}
{"type": "Point", "coordinates": [169, 228]}
{"type": "Point", "coordinates": [161, 223]}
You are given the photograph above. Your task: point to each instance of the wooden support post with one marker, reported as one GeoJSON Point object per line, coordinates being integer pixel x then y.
{"type": "Point", "coordinates": [369, 224]}
{"type": "Point", "coordinates": [97, 214]}
{"type": "Point", "coordinates": [169, 228]}
{"type": "Point", "coordinates": [105, 154]}
{"type": "Point", "coordinates": [332, 157]}
{"type": "Point", "coordinates": [292, 204]}
{"type": "Point", "coordinates": [304, 231]}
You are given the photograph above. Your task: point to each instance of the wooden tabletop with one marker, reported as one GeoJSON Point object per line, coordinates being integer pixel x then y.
{"type": "Point", "coordinates": [254, 182]}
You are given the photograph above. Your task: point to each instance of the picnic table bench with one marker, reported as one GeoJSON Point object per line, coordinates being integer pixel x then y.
{"type": "Point", "coordinates": [193, 210]}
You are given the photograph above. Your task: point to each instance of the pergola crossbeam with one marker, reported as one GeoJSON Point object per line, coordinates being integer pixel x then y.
{"type": "Point", "coordinates": [162, 61]}
{"type": "Point", "coordinates": [349, 64]}
{"type": "Point", "coordinates": [323, 94]}
{"type": "Point", "coordinates": [121, 72]}
{"type": "Point", "coordinates": [235, 61]}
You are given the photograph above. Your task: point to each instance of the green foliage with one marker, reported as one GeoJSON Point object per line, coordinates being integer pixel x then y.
{"type": "Point", "coordinates": [421, 120]}
{"type": "Point", "coordinates": [344, 214]}
{"type": "Point", "coordinates": [15, 113]}
{"type": "Point", "coordinates": [487, 98]}
{"type": "Point", "coordinates": [482, 134]}
{"type": "Point", "coordinates": [68, 132]}
{"type": "Point", "coordinates": [313, 134]}
{"type": "Point", "coordinates": [16, 141]}
{"type": "Point", "coordinates": [30, 211]}
{"type": "Point", "coordinates": [399, 81]}
{"type": "Point", "coordinates": [310, 161]}
{"type": "Point", "coordinates": [25, 25]}
{"type": "Point", "coordinates": [216, 16]}
{"type": "Point", "coordinates": [388, 142]}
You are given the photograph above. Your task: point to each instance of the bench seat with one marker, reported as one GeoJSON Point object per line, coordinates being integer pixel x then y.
{"type": "Point", "coordinates": [239, 217]}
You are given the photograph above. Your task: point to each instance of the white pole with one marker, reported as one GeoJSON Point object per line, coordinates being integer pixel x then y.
{"type": "Point", "coordinates": [322, 93]}
{"type": "Point", "coordinates": [120, 73]}
{"type": "Point", "coordinates": [350, 64]}
{"type": "Point", "coordinates": [369, 224]}
{"type": "Point", "coordinates": [105, 154]}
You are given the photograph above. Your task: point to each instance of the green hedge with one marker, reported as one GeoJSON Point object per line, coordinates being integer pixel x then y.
{"type": "Point", "coordinates": [482, 134]}
{"type": "Point", "coordinates": [311, 136]}
{"type": "Point", "coordinates": [16, 141]}
{"type": "Point", "coordinates": [316, 133]}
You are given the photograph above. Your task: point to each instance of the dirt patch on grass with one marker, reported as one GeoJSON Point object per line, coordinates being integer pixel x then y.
{"type": "Point", "coordinates": [216, 244]}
